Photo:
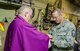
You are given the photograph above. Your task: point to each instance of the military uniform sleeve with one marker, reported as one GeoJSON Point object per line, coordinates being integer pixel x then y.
{"type": "Point", "coordinates": [71, 32]}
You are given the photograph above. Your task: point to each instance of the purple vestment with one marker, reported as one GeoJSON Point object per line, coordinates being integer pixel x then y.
{"type": "Point", "coordinates": [21, 36]}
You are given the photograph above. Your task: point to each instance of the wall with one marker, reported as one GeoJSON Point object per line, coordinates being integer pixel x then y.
{"type": "Point", "coordinates": [6, 13]}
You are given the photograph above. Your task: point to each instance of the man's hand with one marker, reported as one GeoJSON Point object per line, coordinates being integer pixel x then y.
{"type": "Point", "coordinates": [51, 37]}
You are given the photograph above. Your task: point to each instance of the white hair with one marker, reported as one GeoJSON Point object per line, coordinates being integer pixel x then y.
{"type": "Point", "coordinates": [24, 9]}
{"type": "Point", "coordinates": [58, 11]}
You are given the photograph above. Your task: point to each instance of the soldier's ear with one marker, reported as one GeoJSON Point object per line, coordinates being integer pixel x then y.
{"type": "Point", "coordinates": [26, 13]}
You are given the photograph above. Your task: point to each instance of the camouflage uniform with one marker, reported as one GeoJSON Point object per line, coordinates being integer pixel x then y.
{"type": "Point", "coordinates": [63, 35]}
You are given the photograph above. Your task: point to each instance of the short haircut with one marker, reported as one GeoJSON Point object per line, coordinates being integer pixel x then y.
{"type": "Point", "coordinates": [57, 10]}
{"type": "Point", "coordinates": [24, 8]}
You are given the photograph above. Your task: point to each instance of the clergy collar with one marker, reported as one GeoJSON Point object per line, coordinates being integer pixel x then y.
{"type": "Point", "coordinates": [19, 17]}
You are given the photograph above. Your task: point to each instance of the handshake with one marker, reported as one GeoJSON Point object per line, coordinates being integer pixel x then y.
{"type": "Point", "coordinates": [51, 37]}
{"type": "Point", "coordinates": [50, 40]}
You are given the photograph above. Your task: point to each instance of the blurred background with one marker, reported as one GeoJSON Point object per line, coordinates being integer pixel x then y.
{"type": "Point", "coordinates": [41, 14]}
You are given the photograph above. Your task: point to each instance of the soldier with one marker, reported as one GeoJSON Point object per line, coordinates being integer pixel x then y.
{"type": "Point", "coordinates": [63, 32]}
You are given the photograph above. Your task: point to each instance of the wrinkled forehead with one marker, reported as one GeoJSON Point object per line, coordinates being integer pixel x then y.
{"type": "Point", "coordinates": [55, 13]}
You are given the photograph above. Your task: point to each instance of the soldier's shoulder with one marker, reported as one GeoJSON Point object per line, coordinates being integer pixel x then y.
{"type": "Point", "coordinates": [69, 24]}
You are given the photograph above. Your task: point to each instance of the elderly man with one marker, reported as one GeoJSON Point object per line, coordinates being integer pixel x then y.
{"type": "Point", "coordinates": [63, 32]}
{"type": "Point", "coordinates": [22, 36]}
